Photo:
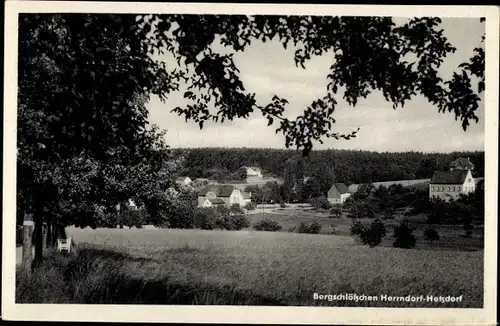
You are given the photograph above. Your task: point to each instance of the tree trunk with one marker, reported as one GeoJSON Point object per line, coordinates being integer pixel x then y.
{"type": "Point", "coordinates": [62, 231]}
{"type": "Point", "coordinates": [49, 235]}
{"type": "Point", "coordinates": [45, 230]}
{"type": "Point", "coordinates": [27, 244]}
{"type": "Point", "coordinates": [55, 233]}
{"type": "Point", "coordinates": [38, 238]}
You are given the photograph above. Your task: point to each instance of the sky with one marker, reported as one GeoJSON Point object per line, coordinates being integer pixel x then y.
{"type": "Point", "coordinates": [267, 69]}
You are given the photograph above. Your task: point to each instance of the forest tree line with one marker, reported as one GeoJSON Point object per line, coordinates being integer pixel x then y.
{"type": "Point", "coordinates": [346, 166]}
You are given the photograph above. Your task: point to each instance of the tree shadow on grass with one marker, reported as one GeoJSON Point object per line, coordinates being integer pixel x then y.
{"type": "Point", "coordinates": [97, 276]}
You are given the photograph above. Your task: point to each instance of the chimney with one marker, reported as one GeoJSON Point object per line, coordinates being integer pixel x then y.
{"type": "Point", "coordinates": [468, 158]}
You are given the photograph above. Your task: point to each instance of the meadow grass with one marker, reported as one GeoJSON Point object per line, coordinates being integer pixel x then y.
{"type": "Point", "coordinates": [451, 236]}
{"type": "Point", "coordinates": [166, 266]}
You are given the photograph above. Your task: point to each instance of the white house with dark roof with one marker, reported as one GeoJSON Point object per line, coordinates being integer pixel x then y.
{"type": "Point", "coordinates": [253, 174]}
{"type": "Point", "coordinates": [448, 185]}
{"type": "Point", "coordinates": [253, 171]}
{"type": "Point", "coordinates": [226, 195]}
{"type": "Point", "coordinates": [184, 181]}
{"type": "Point", "coordinates": [338, 193]}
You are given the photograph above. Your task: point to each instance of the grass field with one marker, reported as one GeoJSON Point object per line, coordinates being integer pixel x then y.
{"type": "Point", "coordinates": [247, 267]}
{"type": "Point", "coordinates": [451, 236]}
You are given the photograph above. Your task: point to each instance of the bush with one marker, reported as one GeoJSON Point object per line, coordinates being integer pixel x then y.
{"type": "Point", "coordinates": [320, 203]}
{"type": "Point", "coordinates": [404, 237]}
{"type": "Point", "coordinates": [205, 219]}
{"type": "Point", "coordinates": [468, 227]}
{"type": "Point", "coordinates": [374, 234]}
{"type": "Point", "coordinates": [236, 209]}
{"type": "Point", "coordinates": [250, 206]}
{"type": "Point", "coordinates": [179, 215]}
{"type": "Point", "coordinates": [133, 217]}
{"type": "Point", "coordinates": [232, 222]}
{"type": "Point", "coordinates": [361, 210]}
{"type": "Point", "coordinates": [336, 211]}
{"type": "Point", "coordinates": [357, 228]}
{"type": "Point", "coordinates": [267, 225]}
{"type": "Point", "coordinates": [313, 228]}
{"type": "Point", "coordinates": [431, 234]}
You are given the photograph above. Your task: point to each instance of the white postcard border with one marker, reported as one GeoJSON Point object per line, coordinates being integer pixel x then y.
{"type": "Point", "coordinates": [250, 314]}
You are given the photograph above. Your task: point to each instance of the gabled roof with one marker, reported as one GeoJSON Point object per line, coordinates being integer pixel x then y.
{"type": "Point", "coordinates": [449, 177]}
{"type": "Point", "coordinates": [216, 201]}
{"type": "Point", "coordinates": [181, 178]}
{"type": "Point", "coordinates": [341, 188]}
{"type": "Point", "coordinates": [219, 190]}
{"type": "Point", "coordinates": [462, 163]}
{"type": "Point", "coordinates": [246, 195]}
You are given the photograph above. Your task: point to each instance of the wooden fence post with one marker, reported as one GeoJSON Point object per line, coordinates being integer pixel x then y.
{"type": "Point", "coordinates": [27, 259]}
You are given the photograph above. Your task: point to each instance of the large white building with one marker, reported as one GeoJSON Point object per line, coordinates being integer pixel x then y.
{"type": "Point", "coordinates": [448, 185]}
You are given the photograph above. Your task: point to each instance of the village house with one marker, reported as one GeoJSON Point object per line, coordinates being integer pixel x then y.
{"type": "Point", "coordinates": [253, 174]}
{"type": "Point", "coordinates": [253, 171]}
{"type": "Point", "coordinates": [183, 181]}
{"type": "Point", "coordinates": [227, 195]}
{"type": "Point", "coordinates": [448, 185]}
{"type": "Point", "coordinates": [338, 193]}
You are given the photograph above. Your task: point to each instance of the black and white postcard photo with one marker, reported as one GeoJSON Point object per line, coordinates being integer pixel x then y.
{"type": "Point", "coordinates": [250, 163]}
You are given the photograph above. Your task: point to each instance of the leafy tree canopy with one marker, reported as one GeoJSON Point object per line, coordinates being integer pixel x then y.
{"type": "Point", "coordinates": [83, 138]}
{"type": "Point", "coordinates": [370, 54]}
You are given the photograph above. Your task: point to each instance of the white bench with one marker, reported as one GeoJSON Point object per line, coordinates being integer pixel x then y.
{"type": "Point", "coordinates": [64, 244]}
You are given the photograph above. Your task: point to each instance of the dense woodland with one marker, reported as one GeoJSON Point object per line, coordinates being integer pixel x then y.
{"type": "Point", "coordinates": [328, 166]}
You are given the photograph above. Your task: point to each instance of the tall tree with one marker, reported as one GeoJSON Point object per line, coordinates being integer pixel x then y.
{"type": "Point", "coordinates": [84, 81]}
